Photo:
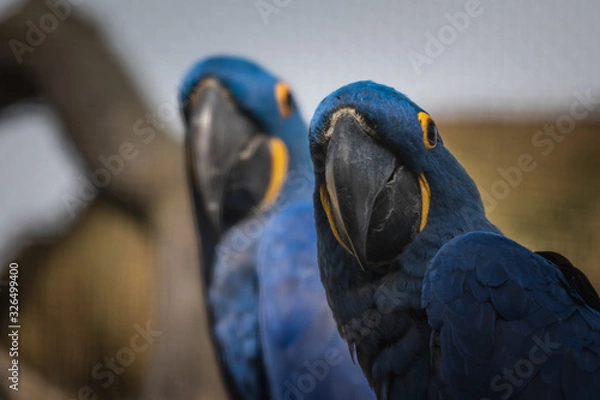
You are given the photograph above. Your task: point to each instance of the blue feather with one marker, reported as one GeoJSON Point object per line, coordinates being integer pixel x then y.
{"type": "Point", "coordinates": [303, 350]}
{"type": "Point", "coordinates": [274, 331]}
{"type": "Point", "coordinates": [463, 312]}
{"type": "Point", "coordinates": [523, 342]}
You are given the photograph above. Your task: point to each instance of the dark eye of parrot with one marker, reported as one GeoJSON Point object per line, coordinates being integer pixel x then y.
{"type": "Point", "coordinates": [284, 99]}
{"type": "Point", "coordinates": [430, 131]}
{"type": "Point", "coordinates": [432, 134]}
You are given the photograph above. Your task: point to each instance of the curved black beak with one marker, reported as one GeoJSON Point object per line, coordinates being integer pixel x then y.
{"type": "Point", "coordinates": [374, 202]}
{"type": "Point", "coordinates": [217, 133]}
{"type": "Point", "coordinates": [235, 167]}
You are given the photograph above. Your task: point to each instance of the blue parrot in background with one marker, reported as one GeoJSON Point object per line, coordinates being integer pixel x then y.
{"type": "Point", "coordinates": [251, 179]}
{"type": "Point", "coordinates": [434, 300]}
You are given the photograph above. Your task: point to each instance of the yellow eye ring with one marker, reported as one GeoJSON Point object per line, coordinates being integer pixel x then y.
{"type": "Point", "coordinates": [430, 131]}
{"type": "Point", "coordinates": [283, 96]}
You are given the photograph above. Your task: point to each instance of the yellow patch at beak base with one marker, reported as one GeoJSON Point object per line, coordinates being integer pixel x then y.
{"type": "Point", "coordinates": [327, 207]}
{"type": "Point", "coordinates": [279, 165]}
{"type": "Point", "coordinates": [425, 200]}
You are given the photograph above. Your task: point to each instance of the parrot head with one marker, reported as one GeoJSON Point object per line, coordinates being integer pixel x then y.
{"type": "Point", "coordinates": [388, 195]}
{"type": "Point", "coordinates": [244, 134]}
{"type": "Point", "coordinates": [383, 175]}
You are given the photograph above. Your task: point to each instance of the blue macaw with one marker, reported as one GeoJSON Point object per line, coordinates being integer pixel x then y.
{"type": "Point", "coordinates": [251, 179]}
{"type": "Point", "coordinates": [434, 300]}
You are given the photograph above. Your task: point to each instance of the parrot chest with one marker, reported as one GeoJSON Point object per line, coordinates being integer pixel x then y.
{"type": "Point", "coordinates": [233, 297]}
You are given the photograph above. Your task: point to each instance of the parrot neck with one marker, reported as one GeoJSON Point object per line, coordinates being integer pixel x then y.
{"type": "Point", "coordinates": [400, 294]}
{"type": "Point", "coordinates": [299, 182]}
{"type": "Point", "coordinates": [300, 177]}
{"type": "Point", "coordinates": [451, 213]}
{"type": "Point", "coordinates": [447, 219]}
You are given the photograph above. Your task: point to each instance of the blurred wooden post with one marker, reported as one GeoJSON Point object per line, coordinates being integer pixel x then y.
{"type": "Point", "coordinates": [73, 70]}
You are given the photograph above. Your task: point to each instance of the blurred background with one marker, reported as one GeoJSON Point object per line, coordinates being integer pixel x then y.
{"type": "Point", "coordinates": [93, 198]}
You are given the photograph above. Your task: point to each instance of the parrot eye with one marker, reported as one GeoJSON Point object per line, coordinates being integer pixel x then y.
{"type": "Point", "coordinates": [284, 99]}
{"type": "Point", "coordinates": [432, 135]}
{"type": "Point", "coordinates": [430, 131]}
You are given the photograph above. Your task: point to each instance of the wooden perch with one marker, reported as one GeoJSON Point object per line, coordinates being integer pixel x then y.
{"type": "Point", "coordinates": [71, 68]}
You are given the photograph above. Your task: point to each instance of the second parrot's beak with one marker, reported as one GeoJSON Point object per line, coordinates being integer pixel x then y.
{"type": "Point", "coordinates": [235, 167]}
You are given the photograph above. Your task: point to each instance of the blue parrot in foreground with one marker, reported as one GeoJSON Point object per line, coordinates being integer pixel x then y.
{"type": "Point", "coordinates": [433, 299]}
{"type": "Point", "coordinates": [251, 179]}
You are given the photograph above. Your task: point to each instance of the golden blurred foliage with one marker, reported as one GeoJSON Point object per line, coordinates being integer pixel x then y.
{"type": "Point", "coordinates": [540, 191]}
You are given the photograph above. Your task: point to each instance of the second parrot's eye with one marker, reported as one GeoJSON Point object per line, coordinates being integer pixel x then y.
{"type": "Point", "coordinates": [430, 131]}
{"type": "Point", "coordinates": [432, 135]}
{"type": "Point", "coordinates": [284, 99]}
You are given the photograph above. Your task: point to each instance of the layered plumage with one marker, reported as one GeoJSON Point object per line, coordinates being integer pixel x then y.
{"type": "Point", "coordinates": [251, 178]}
{"type": "Point", "coordinates": [433, 299]}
